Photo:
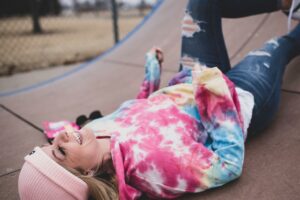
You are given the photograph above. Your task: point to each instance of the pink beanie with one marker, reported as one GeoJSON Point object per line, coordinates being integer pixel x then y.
{"type": "Point", "coordinates": [43, 178]}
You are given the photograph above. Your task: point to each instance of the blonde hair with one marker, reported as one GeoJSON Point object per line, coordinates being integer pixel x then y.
{"type": "Point", "coordinates": [103, 186]}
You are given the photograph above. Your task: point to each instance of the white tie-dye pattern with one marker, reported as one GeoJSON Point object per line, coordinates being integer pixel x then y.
{"type": "Point", "coordinates": [132, 159]}
{"type": "Point", "coordinates": [100, 124]}
{"type": "Point", "coordinates": [153, 123]}
{"type": "Point", "coordinates": [177, 146]}
{"type": "Point", "coordinates": [169, 137]}
{"type": "Point", "coordinates": [157, 107]}
{"type": "Point", "coordinates": [247, 103]}
{"type": "Point", "coordinates": [231, 138]}
{"type": "Point", "coordinates": [182, 185]}
{"type": "Point", "coordinates": [231, 159]}
{"type": "Point", "coordinates": [153, 177]}
{"type": "Point", "coordinates": [228, 124]}
{"type": "Point", "coordinates": [138, 154]}
{"type": "Point", "coordinates": [124, 130]}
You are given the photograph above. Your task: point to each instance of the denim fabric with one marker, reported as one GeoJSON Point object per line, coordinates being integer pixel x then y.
{"type": "Point", "coordinates": [260, 72]}
{"type": "Point", "coordinates": [205, 44]}
{"type": "Point", "coordinates": [238, 8]}
{"type": "Point", "coordinates": [202, 39]}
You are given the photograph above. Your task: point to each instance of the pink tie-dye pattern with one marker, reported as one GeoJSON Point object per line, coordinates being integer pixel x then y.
{"type": "Point", "coordinates": [235, 99]}
{"type": "Point", "coordinates": [151, 80]}
{"type": "Point", "coordinates": [163, 156]}
{"type": "Point", "coordinates": [155, 148]}
{"type": "Point", "coordinates": [147, 88]}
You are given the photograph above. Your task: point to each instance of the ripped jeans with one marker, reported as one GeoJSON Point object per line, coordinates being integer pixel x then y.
{"type": "Point", "coordinates": [260, 72]}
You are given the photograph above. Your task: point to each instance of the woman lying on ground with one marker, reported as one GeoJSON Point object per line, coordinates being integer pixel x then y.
{"type": "Point", "coordinates": [185, 138]}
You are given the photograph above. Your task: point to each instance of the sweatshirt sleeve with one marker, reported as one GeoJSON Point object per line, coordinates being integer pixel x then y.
{"type": "Point", "coordinates": [184, 76]}
{"type": "Point", "coordinates": [218, 106]}
{"type": "Point", "coordinates": [126, 192]}
{"type": "Point", "coordinates": [152, 76]}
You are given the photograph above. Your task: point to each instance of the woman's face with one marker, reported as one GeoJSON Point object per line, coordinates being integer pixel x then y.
{"type": "Point", "coordinates": [77, 149]}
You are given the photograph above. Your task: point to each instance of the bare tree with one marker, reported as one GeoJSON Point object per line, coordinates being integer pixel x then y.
{"type": "Point", "coordinates": [35, 5]}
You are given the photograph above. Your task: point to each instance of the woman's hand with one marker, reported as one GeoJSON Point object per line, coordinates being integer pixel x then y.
{"type": "Point", "coordinates": [158, 53]}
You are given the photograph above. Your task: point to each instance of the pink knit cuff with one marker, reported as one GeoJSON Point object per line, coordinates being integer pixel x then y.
{"type": "Point", "coordinates": [57, 174]}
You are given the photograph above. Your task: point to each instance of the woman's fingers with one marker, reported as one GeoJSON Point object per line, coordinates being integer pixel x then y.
{"type": "Point", "coordinates": [158, 53]}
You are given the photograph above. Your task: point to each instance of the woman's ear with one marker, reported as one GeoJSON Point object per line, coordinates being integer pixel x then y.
{"type": "Point", "coordinates": [88, 173]}
{"type": "Point", "coordinates": [108, 166]}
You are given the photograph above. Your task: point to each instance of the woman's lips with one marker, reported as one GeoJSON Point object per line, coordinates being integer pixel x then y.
{"type": "Point", "coordinates": [78, 137]}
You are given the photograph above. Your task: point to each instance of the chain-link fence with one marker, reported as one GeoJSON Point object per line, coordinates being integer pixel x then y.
{"type": "Point", "coordinates": [66, 32]}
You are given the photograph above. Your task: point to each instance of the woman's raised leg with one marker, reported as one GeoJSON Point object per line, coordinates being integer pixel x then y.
{"type": "Point", "coordinates": [202, 37]}
{"type": "Point", "coordinates": [261, 73]}
{"type": "Point", "coordinates": [243, 8]}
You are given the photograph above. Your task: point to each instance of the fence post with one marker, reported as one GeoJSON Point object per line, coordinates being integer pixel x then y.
{"type": "Point", "coordinates": [35, 4]}
{"type": "Point", "coordinates": [142, 8]}
{"type": "Point", "coordinates": [115, 20]}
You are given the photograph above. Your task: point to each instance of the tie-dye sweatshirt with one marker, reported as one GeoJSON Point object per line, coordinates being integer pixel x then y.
{"type": "Point", "coordinates": [184, 138]}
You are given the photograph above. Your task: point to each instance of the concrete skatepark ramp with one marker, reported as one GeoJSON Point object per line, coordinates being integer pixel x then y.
{"type": "Point", "coordinates": [271, 170]}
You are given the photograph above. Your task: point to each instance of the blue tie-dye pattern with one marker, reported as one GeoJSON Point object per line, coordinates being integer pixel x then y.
{"type": "Point", "coordinates": [226, 142]}
{"type": "Point", "coordinates": [152, 69]}
{"type": "Point", "coordinates": [221, 133]}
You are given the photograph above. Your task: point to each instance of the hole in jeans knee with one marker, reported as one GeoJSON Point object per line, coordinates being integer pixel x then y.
{"type": "Point", "coordinates": [190, 26]}
{"type": "Point", "coordinates": [274, 42]}
{"type": "Point", "coordinates": [189, 62]}
{"type": "Point", "coordinates": [259, 53]}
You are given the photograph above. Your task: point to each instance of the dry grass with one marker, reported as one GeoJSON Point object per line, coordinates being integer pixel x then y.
{"type": "Point", "coordinates": [65, 40]}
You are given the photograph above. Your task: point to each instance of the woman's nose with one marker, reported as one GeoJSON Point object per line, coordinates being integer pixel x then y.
{"type": "Point", "coordinates": [62, 137]}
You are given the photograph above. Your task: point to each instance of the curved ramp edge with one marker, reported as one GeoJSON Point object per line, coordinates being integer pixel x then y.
{"type": "Point", "coordinates": [86, 64]}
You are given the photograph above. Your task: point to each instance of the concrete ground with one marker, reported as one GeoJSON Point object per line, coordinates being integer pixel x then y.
{"type": "Point", "coordinates": [27, 79]}
{"type": "Point", "coordinates": [271, 169]}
